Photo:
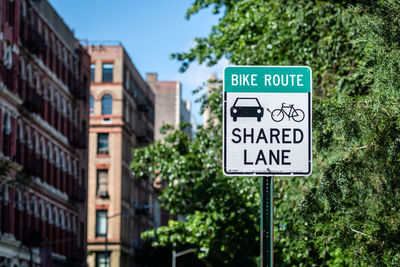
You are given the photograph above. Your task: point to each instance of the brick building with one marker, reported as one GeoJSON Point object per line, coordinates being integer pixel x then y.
{"type": "Point", "coordinates": [169, 106]}
{"type": "Point", "coordinates": [44, 84]}
{"type": "Point", "coordinates": [121, 118]}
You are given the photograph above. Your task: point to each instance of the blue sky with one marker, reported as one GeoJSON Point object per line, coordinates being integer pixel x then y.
{"type": "Point", "coordinates": [150, 31]}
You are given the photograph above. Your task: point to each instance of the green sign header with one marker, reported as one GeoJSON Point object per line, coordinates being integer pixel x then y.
{"type": "Point", "coordinates": [267, 79]}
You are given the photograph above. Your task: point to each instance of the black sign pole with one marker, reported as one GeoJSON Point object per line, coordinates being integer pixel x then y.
{"type": "Point", "coordinates": [267, 222]}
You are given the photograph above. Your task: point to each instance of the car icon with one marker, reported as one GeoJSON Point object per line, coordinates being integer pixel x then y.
{"type": "Point", "coordinates": [247, 107]}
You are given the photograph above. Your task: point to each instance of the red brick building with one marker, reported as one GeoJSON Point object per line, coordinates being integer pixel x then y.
{"type": "Point", "coordinates": [44, 85]}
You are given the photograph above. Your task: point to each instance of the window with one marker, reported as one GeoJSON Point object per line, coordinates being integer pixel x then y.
{"type": "Point", "coordinates": [101, 260]}
{"type": "Point", "coordinates": [8, 57]}
{"type": "Point", "coordinates": [133, 87]}
{"type": "Point", "coordinates": [10, 12]}
{"type": "Point", "coordinates": [101, 223]}
{"type": "Point", "coordinates": [127, 76]}
{"type": "Point", "coordinates": [83, 176]}
{"type": "Point", "coordinates": [108, 72]}
{"type": "Point", "coordinates": [82, 235]}
{"type": "Point", "coordinates": [106, 104]}
{"type": "Point", "coordinates": [92, 69]}
{"type": "Point", "coordinates": [91, 104]}
{"type": "Point", "coordinates": [127, 112]}
{"type": "Point", "coordinates": [102, 183]}
{"type": "Point", "coordinates": [102, 143]}
{"type": "Point", "coordinates": [7, 135]}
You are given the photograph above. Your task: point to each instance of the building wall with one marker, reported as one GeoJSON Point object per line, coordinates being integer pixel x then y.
{"type": "Point", "coordinates": [169, 106]}
{"type": "Point", "coordinates": [43, 130]}
{"type": "Point", "coordinates": [130, 125]}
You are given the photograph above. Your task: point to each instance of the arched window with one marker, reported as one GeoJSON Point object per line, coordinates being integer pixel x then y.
{"type": "Point", "coordinates": [43, 145]}
{"type": "Point", "coordinates": [30, 74]}
{"type": "Point", "coordinates": [7, 56]}
{"type": "Point", "coordinates": [35, 207]}
{"type": "Point", "coordinates": [68, 222]}
{"type": "Point", "coordinates": [20, 131]}
{"type": "Point", "coordinates": [36, 80]}
{"type": "Point", "coordinates": [4, 192]}
{"type": "Point", "coordinates": [91, 104]}
{"type": "Point", "coordinates": [7, 134]}
{"type": "Point", "coordinates": [76, 117]}
{"type": "Point", "coordinates": [49, 214]}
{"type": "Point", "coordinates": [62, 219]}
{"type": "Point", "coordinates": [27, 203]}
{"type": "Point", "coordinates": [56, 218]}
{"type": "Point", "coordinates": [42, 210]}
{"type": "Point", "coordinates": [70, 114]}
{"type": "Point", "coordinates": [74, 224]}
{"type": "Point", "coordinates": [51, 93]}
{"type": "Point", "coordinates": [64, 106]}
{"type": "Point", "coordinates": [22, 68]}
{"type": "Point", "coordinates": [57, 157]}
{"type": "Point", "coordinates": [20, 141]}
{"type": "Point", "coordinates": [69, 166]}
{"type": "Point", "coordinates": [50, 149]}
{"type": "Point", "coordinates": [28, 136]}
{"type": "Point", "coordinates": [37, 144]}
{"type": "Point", "coordinates": [45, 90]}
{"type": "Point", "coordinates": [20, 201]}
{"type": "Point", "coordinates": [58, 101]}
{"type": "Point", "coordinates": [75, 169]}
{"type": "Point", "coordinates": [24, 9]}
{"type": "Point", "coordinates": [106, 104]}
{"type": "Point", "coordinates": [63, 163]}
{"type": "Point", "coordinates": [7, 123]}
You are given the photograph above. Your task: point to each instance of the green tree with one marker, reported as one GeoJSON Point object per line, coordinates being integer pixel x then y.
{"type": "Point", "coordinates": [217, 207]}
{"type": "Point", "coordinates": [10, 175]}
{"type": "Point", "coordinates": [288, 32]}
{"type": "Point", "coordinates": [347, 211]}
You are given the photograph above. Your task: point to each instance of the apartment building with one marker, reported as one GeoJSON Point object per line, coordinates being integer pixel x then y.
{"type": "Point", "coordinates": [44, 84]}
{"type": "Point", "coordinates": [121, 119]}
{"type": "Point", "coordinates": [169, 106]}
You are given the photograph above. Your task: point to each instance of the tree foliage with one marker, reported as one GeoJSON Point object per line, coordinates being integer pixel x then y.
{"type": "Point", "coordinates": [11, 176]}
{"type": "Point", "coordinates": [216, 206]}
{"type": "Point", "coordinates": [290, 32]}
{"type": "Point", "coordinates": [347, 212]}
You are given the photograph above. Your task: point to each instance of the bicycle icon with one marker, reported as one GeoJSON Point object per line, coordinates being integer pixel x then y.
{"type": "Point", "coordinates": [296, 114]}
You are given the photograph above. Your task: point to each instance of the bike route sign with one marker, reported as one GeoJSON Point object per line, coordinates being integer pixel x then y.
{"type": "Point", "coordinates": [267, 121]}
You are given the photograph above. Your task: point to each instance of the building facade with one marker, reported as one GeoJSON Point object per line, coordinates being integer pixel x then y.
{"type": "Point", "coordinates": [44, 85]}
{"type": "Point", "coordinates": [121, 118]}
{"type": "Point", "coordinates": [169, 106]}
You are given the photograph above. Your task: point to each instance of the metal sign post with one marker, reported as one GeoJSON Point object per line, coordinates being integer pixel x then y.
{"type": "Point", "coordinates": [267, 221]}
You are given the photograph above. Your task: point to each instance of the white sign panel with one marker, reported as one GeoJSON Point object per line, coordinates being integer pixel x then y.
{"type": "Point", "coordinates": [267, 121]}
